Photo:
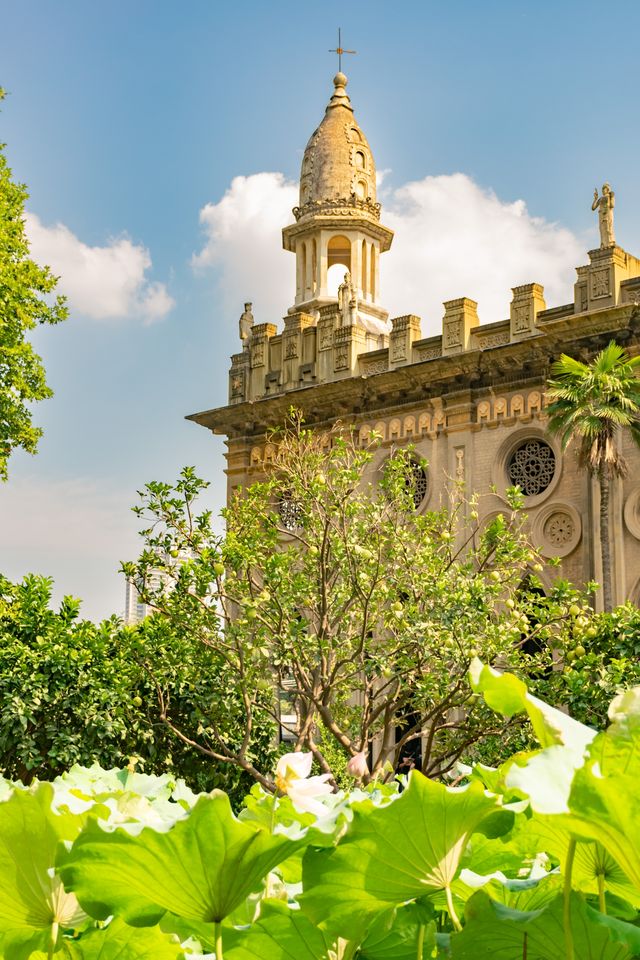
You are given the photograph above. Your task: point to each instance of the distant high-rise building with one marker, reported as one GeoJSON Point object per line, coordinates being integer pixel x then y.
{"type": "Point", "coordinates": [134, 608]}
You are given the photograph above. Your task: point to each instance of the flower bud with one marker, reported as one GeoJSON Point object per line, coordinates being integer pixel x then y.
{"type": "Point", "coordinates": [357, 766]}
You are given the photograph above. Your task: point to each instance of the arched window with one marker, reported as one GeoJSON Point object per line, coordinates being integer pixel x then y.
{"type": "Point", "coordinates": [363, 269]}
{"type": "Point", "coordinates": [338, 257]}
{"type": "Point", "coordinates": [339, 251]}
{"type": "Point", "coordinates": [360, 160]}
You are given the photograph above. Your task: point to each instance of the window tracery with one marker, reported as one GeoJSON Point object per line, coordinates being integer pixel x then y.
{"type": "Point", "coordinates": [532, 467]}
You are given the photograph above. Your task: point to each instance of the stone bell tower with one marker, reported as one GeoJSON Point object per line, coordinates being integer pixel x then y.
{"type": "Point", "coordinates": [338, 219]}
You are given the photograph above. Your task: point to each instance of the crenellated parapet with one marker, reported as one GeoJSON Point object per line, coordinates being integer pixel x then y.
{"type": "Point", "coordinates": [321, 347]}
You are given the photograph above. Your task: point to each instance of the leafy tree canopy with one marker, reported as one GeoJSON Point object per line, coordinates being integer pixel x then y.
{"type": "Point", "coordinates": [72, 691]}
{"type": "Point", "coordinates": [335, 605]}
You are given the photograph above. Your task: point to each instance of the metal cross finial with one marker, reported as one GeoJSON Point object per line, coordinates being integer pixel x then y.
{"type": "Point", "coordinates": [340, 50]}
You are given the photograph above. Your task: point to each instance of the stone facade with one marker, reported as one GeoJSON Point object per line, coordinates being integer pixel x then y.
{"type": "Point", "coordinates": [471, 400]}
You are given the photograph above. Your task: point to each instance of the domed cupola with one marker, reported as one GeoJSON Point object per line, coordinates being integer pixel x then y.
{"type": "Point", "coordinates": [338, 219]}
{"type": "Point", "coordinates": [338, 163]}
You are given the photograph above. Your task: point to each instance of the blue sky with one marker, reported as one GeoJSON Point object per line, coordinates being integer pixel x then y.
{"type": "Point", "coordinates": [127, 119]}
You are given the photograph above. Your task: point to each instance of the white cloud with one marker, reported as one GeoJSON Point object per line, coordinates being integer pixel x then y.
{"type": "Point", "coordinates": [103, 283]}
{"type": "Point", "coordinates": [452, 239]}
{"type": "Point", "coordinates": [244, 238]}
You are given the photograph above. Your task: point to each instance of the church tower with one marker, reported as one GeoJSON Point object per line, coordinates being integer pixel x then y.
{"type": "Point", "coordinates": [469, 399]}
{"type": "Point", "coordinates": [338, 219]}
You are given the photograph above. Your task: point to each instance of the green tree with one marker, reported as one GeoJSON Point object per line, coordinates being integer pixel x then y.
{"type": "Point", "coordinates": [591, 404]}
{"type": "Point", "coordinates": [72, 691]}
{"type": "Point", "coordinates": [25, 303]}
{"type": "Point", "coordinates": [332, 601]}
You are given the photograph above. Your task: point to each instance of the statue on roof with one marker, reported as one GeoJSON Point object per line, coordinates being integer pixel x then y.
{"type": "Point", "coordinates": [246, 325]}
{"type": "Point", "coordinates": [347, 301]}
{"type": "Point", "coordinates": [604, 205]}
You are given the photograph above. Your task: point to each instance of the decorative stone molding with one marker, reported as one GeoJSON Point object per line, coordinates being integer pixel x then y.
{"type": "Point", "coordinates": [492, 340]}
{"type": "Point", "coordinates": [557, 529]}
{"type": "Point", "coordinates": [369, 368]}
{"type": "Point", "coordinates": [632, 512]}
{"type": "Point", "coordinates": [494, 409]}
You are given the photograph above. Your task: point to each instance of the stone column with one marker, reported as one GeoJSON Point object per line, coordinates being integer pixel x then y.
{"type": "Point", "coordinates": [299, 271]}
{"type": "Point", "coordinates": [356, 268]}
{"type": "Point", "coordinates": [528, 301]}
{"type": "Point", "coordinates": [308, 282]}
{"type": "Point", "coordinates": [460, 318]}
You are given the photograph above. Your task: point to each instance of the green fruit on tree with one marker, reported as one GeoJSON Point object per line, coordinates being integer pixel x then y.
{"type": "Point", "coordinates": [580, 651]}
{"type": "Point", "coordinates": [574, 610]}
{"type": "Point", "coordinates": [218, 568]}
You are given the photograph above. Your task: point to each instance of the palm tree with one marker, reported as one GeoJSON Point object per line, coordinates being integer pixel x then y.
{"type": "Point", "coordinates": [591, 403]}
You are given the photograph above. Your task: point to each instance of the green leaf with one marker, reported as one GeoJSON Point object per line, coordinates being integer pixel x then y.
{"type": "Point", "coordinates": [591, 859]}
{"type": "Point", "coordinates": [120, 942]}
{"type": "Point", "coordinates": [495, 932]}
{"type": "Point", "coordinates": [545, 776]}
{"type": "Point", "coordinates": [508, 695]}
{"type": "Point", "coordinates": [279, 934]}
{"type": "Point", "coordinates": [400, 941]}
{"type": "Point", "coordinates": [200, 869]}
{"type": "Point", "coordinates": [32, 901]}
{"type": "Point", "coordinates": [393, 854]}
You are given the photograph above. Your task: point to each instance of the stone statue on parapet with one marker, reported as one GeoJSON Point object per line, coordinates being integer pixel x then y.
{"type": "Point", "coordinates": [347, 301]}
{"type": "Point", "coordinates": [604, 205]}
{"type": "Point", "coordinates": [246, 325]}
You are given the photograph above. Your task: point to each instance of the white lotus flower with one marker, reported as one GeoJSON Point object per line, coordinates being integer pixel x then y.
{"type": "Point", "coordinates": [292, 778]}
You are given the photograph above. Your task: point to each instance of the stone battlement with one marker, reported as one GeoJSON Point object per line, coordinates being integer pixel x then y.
{"type": "Point", "coordinates": [319, 348]}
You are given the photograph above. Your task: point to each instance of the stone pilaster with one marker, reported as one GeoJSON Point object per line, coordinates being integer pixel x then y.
{"type": "Point", "coordinates": [239, 377]}
{"type": "Point", "coordinates": [528, 301]}
{"type": "Point", "coordinates": [460, 318]}
{"type": "Point", "coordinates": [347, 344]}
{"type": "Point", "coordinates": [327, 324]}
{"type": "Point", "coordinates": [259, 357]}
{"type": "Point", "coordinates": [405, 330]}
{"type": "Point", "coordinates": [292, 347]}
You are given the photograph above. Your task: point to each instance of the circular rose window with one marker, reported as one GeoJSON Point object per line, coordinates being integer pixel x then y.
{"type": "Point", "coordinates": [291, 513]}
{"type": "Point", "coordinates": [532, 466]}
{"type": "Point", "coordinates": [417, 482]}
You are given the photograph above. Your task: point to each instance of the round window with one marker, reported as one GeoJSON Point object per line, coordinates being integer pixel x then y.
{"type": "Point", "coordinates": [532, 466]}
{"type": "Point", "coordinates": [291, 513]}
{"type": "Point", "coordinates": [417, 482]}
